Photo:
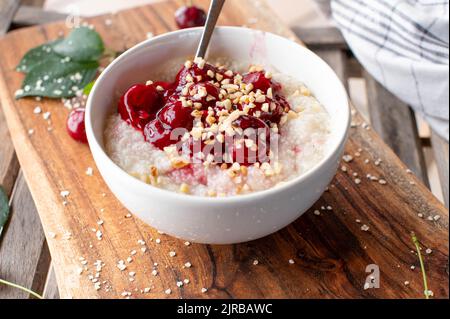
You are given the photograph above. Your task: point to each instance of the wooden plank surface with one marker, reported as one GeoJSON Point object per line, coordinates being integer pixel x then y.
{"type": "Point", "coordinates": [337, 60]}
{"type": "Point", "coordinates": [23, 259]}
{"type": "Point", "coordinates": [29, 16]}
{"type": "Point", "coordinates": [8, 9]}
{"type": "Point", "coordinates": [28, 266]}
{"type": "Point", "coordinates": [321, 37]}
{"type": "Point", "coordinates": [331, 251]}
{"type": "Point", "coordinates": [34, 3]}
{"type": "Point", "coordinates": [441, 153]}
{"type": "Point", "coordinates": [9, 165]}
{"type": "Point", "coordinates": [397, 126]}
{"type": "Point", "coordinates": [51, 287]}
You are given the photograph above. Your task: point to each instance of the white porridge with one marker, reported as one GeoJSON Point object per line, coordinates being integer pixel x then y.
{"type": "Point", "coordinates": [302, 131]}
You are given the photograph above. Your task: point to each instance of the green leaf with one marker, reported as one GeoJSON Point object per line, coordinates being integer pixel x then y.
{"type": "Point", "coordinates": [4, 208]}
{"type": "Point", "coordinates": [61, 68]}
{"type": "Point", "coordinates": [88, 88]}
{"type": "Point", "coordinates": [61, 78]}
{"type": "Point", "coordinates": [82, 44]}
{"type": "Point", "coordinates": [37, 56]}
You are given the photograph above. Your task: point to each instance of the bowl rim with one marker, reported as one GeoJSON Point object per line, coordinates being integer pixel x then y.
{"type": "Point", "coordinates": [95, 145]}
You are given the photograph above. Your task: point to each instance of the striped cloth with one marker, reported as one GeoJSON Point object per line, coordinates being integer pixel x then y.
{"type": "Point", "coordinates": [404, 44]}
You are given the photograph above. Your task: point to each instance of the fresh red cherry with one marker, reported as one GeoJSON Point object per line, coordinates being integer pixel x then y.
{"type": "Point", "coordinates": [139, 105]}
{"type": "Point", "coordinates": [190, 17]}
{"type": "Point", "coordinates": [157, 134]}
{"type": "Point", "coordinates": [75, 125]}
{"type": "Point", "coordinates": [174, 116]}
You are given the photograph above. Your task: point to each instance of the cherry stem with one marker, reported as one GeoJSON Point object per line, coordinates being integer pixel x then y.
{"type": "Point", "coordinates": [7, 283]}
{"type": "Point", "coordinates": [422, 265]}
{"type": "Point", "coordinates": [190, 3]}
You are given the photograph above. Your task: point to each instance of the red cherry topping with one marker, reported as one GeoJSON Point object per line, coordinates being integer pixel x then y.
{"type": "Point", "coordinates": [244, 122]}
{"type": "Point", "coordinates": [190, 17]}
{"type": "Point", "coordinates": [139, 105]}
{"type": "Point", "coordinates": [165, 90]}
{"type": "Point", "coordinates": [75, 125]}
{"type": "Point", "coordinates": [254, 129]}
{"type": "Point", "coordinates": [197, 74]}
{"type": "Point", "coordinates": [174, 115]}
{"type": "Point", "coordinates": [211, 92]}
{"type": "Point", "coordinates": [157, 134]}
{"type": "Point", "coordinates": [272, 115]}
{"type": "Point", "coordinates": [259, 81]}
{"type": "Point", "coordinates": [160, 108]}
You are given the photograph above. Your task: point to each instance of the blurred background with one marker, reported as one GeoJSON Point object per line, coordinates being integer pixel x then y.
{"type": "Point", "coordinates": [306, 12]}
{"type": "Point", "coordinates": [300, 14]}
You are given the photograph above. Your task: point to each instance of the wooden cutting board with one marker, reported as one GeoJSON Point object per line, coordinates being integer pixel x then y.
{"type": "Point", "coordinates": [330, 252]}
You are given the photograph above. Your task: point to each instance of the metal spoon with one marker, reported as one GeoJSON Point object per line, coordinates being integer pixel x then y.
{"type": "Point", "coordinates": [211, 21]}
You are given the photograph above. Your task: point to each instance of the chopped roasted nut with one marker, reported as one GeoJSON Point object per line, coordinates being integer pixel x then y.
{"type": "Point", "coordinates": [184, 188]}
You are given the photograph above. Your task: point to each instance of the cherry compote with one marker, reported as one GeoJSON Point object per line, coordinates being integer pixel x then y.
{"type": "Point", "coordinates": [208, 94]}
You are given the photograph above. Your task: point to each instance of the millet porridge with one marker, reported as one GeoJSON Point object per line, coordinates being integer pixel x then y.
{"type": "Point", "coordinates": [240, 129]}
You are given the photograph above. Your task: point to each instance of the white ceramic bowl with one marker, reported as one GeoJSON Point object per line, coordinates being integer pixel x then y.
{"type": "Point", "coordinates": [219, 220]}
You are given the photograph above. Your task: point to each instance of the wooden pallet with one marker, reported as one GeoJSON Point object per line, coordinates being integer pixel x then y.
{"type": "Point", "coordinates": [23, 259]}
{"type": "Point", "coordinates": [331, 251]}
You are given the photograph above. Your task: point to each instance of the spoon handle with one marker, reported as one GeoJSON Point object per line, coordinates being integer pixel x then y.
{"type": "Point", "coordinates": [211, 21]}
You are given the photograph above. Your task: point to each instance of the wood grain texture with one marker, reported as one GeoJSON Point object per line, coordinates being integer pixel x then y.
{"type": "Point", "coordinates": [441, 153]}
{"type": "Point", "coordinates": [330, 251]}
{"type": "Point", "coordinates": [396, 123]}
{"type": "Point", "coordinates": [51, 286]}
{"type": "Point", "coordinates": [9, 165]}
{"type": "Point", "coordinates": [29, 16]}
{"type": "Point", "coordinates": [321, 37]}
{"type": "Point", "coordinates": [34, 3]}
{"type": "Point", "coordinates": [7, 10]}
{"type": "Point", "coordinates": [29, 266]}
{"type": "Point", "coordinates": [23, 257]}
{"type": "Point", "coordinates": [337, 60]}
